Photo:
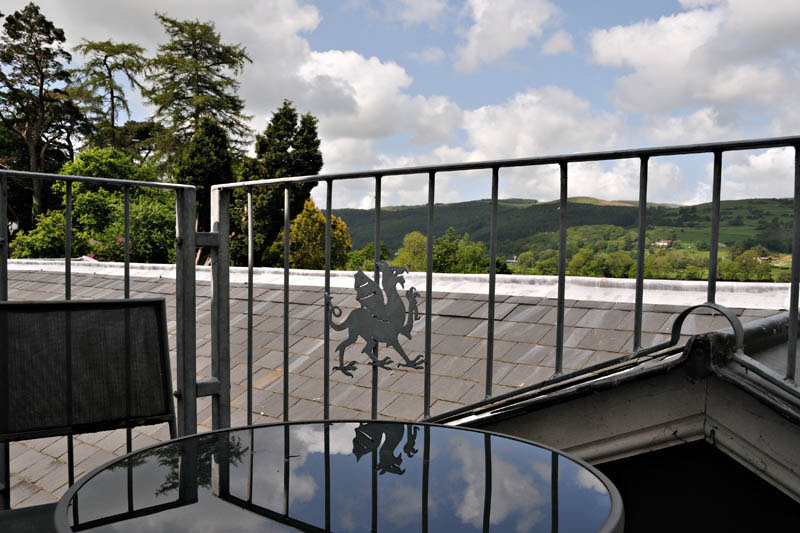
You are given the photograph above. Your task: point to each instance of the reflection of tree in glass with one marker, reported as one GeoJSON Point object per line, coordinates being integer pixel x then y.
{"type": "Point", "coordinates": [226, 447]}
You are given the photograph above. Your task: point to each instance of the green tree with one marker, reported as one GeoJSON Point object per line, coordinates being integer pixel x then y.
{"type": "Point", "coordinates": [97, 216]}
{"type": "Point", "coordinates": [32, 77]}
{"type": "Point", "coordinates": [752, 268]}
{"type": "Point", "coordinates": [206, 161]}
{"type": "Point", "coordinates": [307, 240]}
{"type": "Point", "coordinates": [107, 61]}
{"type": "Point", "coordinates": [289, 146]}
{"type": "Point", "coordinates": [365, 257]}
{"type": "Point", "coordinates": [194, 75]}
{"type": "Point", "coordinates": [413, 253]}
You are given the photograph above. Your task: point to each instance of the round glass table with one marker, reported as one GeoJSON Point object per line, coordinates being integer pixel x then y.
{"type": "Point", "coordinates": [343, 476]}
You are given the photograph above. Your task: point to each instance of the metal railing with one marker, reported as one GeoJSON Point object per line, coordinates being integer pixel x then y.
{"type": "Point", "coordinates": [221, 197]}
{"type": "Point", "coordinates": [185, 214]}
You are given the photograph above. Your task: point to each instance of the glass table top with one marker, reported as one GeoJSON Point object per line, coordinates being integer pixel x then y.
{"type": "Point", "coordinates": [343, 476]}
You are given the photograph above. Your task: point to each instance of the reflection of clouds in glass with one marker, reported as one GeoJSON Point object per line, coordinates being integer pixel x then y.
{"type": "Point", "coordinates": [513, 491]}
{"type": "Point", "coordinates": [310, 438]}
{"type": "Point", "coordinates": [543, 470]}
{"type": "Point", "coordinates": [401, 514]}
{"type": "Point", "coordinates": [586, 480]}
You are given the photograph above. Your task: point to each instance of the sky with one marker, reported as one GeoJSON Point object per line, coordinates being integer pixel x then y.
{"type": "Point", "coordinates": [412, 82]}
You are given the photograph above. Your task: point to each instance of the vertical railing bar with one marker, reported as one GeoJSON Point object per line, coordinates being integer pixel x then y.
{"type": "Point", "coordinates": [250, 255]}
{"type": "Point", "coordinates": [68, 243]}
{"type": "Point", "coordinates": [377, 257]}
{"type": "Point", "coordinates": [562, 268]}
{"type": "Point", "coordinates": [286, 304]}
{"type": "Point", "coordinates": [492, 279]}
{"type": "Point", "coordinates": [127, 244]}
{"type": "Point", "coordinates": [4, 237]}
{"type": "Point", "coordinates": [714, 244]}
{"type": "Point", "coordinates": [637, 315]}
{"type": "Point", "coordinates": [429, 293]}
{"type": "Point", "coordinates": [326, 363]}
{"type": "Point", "coordinates": [374, 501]}
{"type": "Point", "coordinates": [487, 493]}
{"type": "Point", "coordinates": [185, 313]}
{"type": "Point", "coordinates": [68, 343]}
{"type": "Point", "coordinates": [126, 217]}
{"type": "Point", "coordinates": [5, 456]}
{"type": "Point", "coordinates": [791, 356]}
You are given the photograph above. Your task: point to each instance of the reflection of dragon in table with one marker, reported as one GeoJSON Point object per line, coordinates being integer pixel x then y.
{"type": "Point", "coordinates": [369, 436]}
{"type": "Point", "coordinates": [378, 319]}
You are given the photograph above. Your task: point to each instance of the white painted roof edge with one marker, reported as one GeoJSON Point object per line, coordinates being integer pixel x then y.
{"type": "Point", "coordinates": [671, 292]}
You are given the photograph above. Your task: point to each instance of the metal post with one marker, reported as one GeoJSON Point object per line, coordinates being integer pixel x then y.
{"type": "Point", "coordinates": [713, 245]}
{"type": "Point", "coordinates": [326, 363]}
{"type": "Point", "coordinates": [492, 276]}
{"type": "Point", "coordinates": [426, 467]}
{"type": "Point", "coordinates": [220, 309]}
{"type": "Point", "coordinates": [429, 293]}
{"type": "Point", "coordinates": [377, 257]}
{"type": "Point", "coordinates": [4, 237]}
{"type": "Point", "coordinates": [637, 315]}
{"type": "Point", "coordinates": [791, 356]}
{"type": "Point", "coordinates": [562, 269]}
{"type": "Point", "coordinates": [68, 342]}
{"type": "Point", "coordinates": [5, 458]}
{"type": "Point", "coordinates": [126, 210]}
{"type": "Point", "coordinates": [185, 214]}
{"type": "Point", "coordinates": [250, 254]}
{"type": "Point", "coordinates": [68, 243]}
{"type": "Point", "coordinates": [286, 263]}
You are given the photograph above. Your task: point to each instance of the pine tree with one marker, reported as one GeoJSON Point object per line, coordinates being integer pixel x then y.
{"type": "Point", "coordinates": [206, 161]}
{"type": "Point", "coordinates": [192, 76]}
{"type": "Point", "coordinates": [33, 72]}
{"type": "Point", "coordinates": [288, 147]}
{"type": "Point", "coordinates": [107, 61]}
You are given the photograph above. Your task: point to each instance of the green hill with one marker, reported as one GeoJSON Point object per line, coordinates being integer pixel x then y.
{"type": "Point", "coordinates": [757, 221]}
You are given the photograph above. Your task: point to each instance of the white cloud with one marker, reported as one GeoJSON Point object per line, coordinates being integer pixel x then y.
{"type": "Point", "coordinates": [418, 11]}
{"type": "Point", "coordinates": [429, 54]}
{"type": "Point", "coordinates": [765, 174]}
{"type": "Point", "coordinates": [500, 26]}
{"type": "Point", "coordinates": [731, 55]}
{"type": "Point", "coordinates": [559, 43]}
{"type": "Point", "coordinates": [704, 125]}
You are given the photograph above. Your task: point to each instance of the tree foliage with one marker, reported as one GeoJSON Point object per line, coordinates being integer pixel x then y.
{"type": "Point", "coordinates": [97, 215]}
{"type": "Point", "coordinates": [307, 240]}
{"type": "Point", "coordinates": [33, 101]}
{"type": "Point", "coordinates": [364, 258]}
{"type": "Point", "coordinates": [413, 253]}
{"type": "Point", "coordinates": [289, 146]}
{"type": "Point", "coordinates": [194, 75]}
{"type": "Point", "coordinates": [106, 61]}
{"type": "Point", "coordinates": [206, 161]}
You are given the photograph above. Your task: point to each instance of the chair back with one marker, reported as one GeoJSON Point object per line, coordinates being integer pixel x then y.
{"type": "Point", "coordinates": [83, 365]}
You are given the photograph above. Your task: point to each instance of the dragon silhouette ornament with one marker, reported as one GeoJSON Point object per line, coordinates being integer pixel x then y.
{"type": "Point", "coordinates": [380, 319]}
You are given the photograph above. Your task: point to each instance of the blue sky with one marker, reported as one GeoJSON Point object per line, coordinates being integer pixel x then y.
{"type": "Point", "coordinates": [408, 82]}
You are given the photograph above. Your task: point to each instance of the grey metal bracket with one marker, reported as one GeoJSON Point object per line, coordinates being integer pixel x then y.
{"type": "Point", "coordinates": [208, 387]}
{"type": "Point", "coordinates": [208, 239]}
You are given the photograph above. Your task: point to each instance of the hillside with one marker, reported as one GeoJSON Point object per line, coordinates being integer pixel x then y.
{"type": "Point", "coordinates": [759, 221]}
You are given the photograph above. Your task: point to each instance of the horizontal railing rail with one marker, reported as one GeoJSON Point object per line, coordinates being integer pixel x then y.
{"type": "Point", "coordinates": [221, 195]}
{"type": "Point", "coordinates": [185, 214]}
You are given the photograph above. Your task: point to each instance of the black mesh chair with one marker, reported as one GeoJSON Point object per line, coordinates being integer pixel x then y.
{"type": "Point", "coordinates": [80, 366]}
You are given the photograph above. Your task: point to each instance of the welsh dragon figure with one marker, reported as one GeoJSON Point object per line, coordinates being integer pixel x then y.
{"type": "Point", "coordinates": [378, 319]}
